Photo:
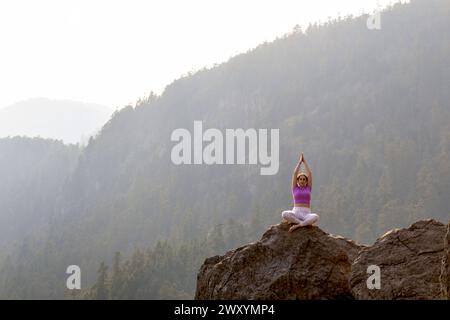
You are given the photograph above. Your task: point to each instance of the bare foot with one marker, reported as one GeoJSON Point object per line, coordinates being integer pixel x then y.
{"type": "Point", "coordinates": [294, 227]}
{"type": "Point", "coordinates": [284, 221]}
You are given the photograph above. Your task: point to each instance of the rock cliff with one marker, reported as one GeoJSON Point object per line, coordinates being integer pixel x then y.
{"type": "Point", "coordinates": [409, 261]}
{"type": "Point", "coordinates": [305, 264]}
{"type": "Point", "coordinates": [311, 264]}
{"type": "Point", "coordinates": [445, 268]}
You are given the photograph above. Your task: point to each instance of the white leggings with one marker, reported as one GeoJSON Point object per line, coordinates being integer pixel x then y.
{"type": "Point", "coordinates": [300, 215]}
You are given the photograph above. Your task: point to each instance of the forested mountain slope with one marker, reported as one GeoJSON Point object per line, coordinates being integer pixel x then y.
{"type": "Point", "coordinates": [32, 173]}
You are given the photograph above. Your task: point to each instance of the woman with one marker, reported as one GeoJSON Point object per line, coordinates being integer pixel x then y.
{"type": "Point", "coordinates": [301, 214]}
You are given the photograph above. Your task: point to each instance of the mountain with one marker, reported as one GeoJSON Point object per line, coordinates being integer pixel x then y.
{"type": "Point", "coordinates": [312, 264]}
{"type": "Point", "coordinates": [70, 121]}
{"type": "Point", "coordinates": [369, 108]}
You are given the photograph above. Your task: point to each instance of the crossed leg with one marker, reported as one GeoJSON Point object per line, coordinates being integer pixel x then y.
{"type": "Point", "coordinates": [308, 220]}
{"type": "Point", "coordinates": [290, 216]}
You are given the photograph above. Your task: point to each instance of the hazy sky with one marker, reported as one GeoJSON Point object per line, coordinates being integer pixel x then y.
{"type": "Point", "coordinates": [112, 52]}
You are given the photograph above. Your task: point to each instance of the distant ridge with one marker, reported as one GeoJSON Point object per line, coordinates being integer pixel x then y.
{"type": "Point", "coordinates": [66, 120]}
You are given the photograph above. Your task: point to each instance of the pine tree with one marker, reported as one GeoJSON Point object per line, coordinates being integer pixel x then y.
{"type": "Point", "coordinates": [116, 277]}
{"type": "Point", "coordinates": [101, 286]}
{"type": "Point", "coordinates": [216, 240]}
{"type": "Point", "coordinates": [364, 228]}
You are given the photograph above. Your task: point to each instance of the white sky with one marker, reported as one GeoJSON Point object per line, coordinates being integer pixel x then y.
{"type": "Point", "coordinates": [113, 52]}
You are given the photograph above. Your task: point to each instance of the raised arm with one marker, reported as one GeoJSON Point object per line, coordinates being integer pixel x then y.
{"type": "Point", "coordinates": [308, 172]}
{"type": "Point", "coordinates": [294, 175]}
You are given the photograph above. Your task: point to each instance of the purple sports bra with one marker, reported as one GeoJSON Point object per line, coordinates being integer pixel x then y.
{"type": "Point", "coordinates": [302, 195]}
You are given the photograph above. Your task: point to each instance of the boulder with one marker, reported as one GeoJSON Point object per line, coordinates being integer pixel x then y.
{"type": "Point", "coordinates": [445, 268]}
{"type": "Point", "coordinates": [305, 264]}
{"type": "Point", "coordinates": [409, 261]}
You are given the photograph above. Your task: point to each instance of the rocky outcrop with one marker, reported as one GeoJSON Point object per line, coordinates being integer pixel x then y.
{"type": "Point", "coordinates": [305, 264]}
{"type": "Point", "coordinates": [445, 268]}
{"type": "Point", "coordinates": [312, 264]}
{"type": "Point", "coordinates": [409, 261]}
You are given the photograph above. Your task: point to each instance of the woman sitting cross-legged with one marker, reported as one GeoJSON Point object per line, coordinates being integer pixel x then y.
{"type": "Point", "coordinates": [301, 214]}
